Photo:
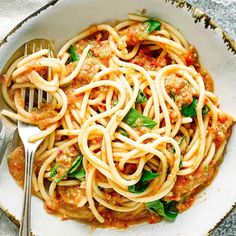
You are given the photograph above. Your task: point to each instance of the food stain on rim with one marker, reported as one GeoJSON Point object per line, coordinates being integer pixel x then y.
{"type": "Point", "coordinates": [18, 26]}
{"type": "Point", "coordinates": [222, 220]}
{"type": "Point", "coordinates": [13, 219]}
{"type": "Point", "coordinates": [198, 16]}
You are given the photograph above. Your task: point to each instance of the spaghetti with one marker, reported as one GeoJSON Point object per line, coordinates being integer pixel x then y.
{"type": "Point", "coordinates": [132, 131]}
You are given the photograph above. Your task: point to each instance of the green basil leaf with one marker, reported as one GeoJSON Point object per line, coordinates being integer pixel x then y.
{"type": "Point", "coordinates": [189, 110]}
{"type": "Point", "coordinates": [166, 209]}
{"type": "Point", "coordinates": [153, 25]}
{"type": "Point", "coordinates": [181, 140]}
{"type": "Point", "coordinates": [139, 187]}
{"type": "Point", "coordinates": [181, 163]}
{"type": "Point", "coordinates": [181, 160]}
{"type": "Point", "coordinates": [75, 164]}
{"type": "Point", "coordinates": [142, 184]}
{"type": "Point", "coordinates": [115, 103]}
{"type": "Point", "coordinates": [78, 174]}
{"type": "Point", "coordinates": [157, 207]}
{"type": "Point", "coordinates": [54, 171]}
{"type": "Point", "coordinates": [148, 175]}
{"type": "Point", "coordinates": [135, 119]}
{"type": "Point", "coordinates": [53, 174]}
{"type": "Point", "coordinates": [123, 132]}
{"type": "Point", "coordinates": [170, 210]}
{"type": "Point", "coordinates": [180, 143]}
{"type": "Point", "coordinates": [205, 110]}
{"type": "Point", "coordinates": [57, 180]}
{"type": "Point", "coordinates": [72, 172]}
{"type": "Point", "coordinates": [73, 54]}
{"type": "Point", "coordinates": [141, 98]}
{"type": "Point", "coordinates": [173, 95]}
{"type": "Point", "coordinates": [90, 54]}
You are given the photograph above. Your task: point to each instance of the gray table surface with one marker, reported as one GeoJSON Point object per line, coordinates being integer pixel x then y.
{"type": "Point", "coordinates": [224, 12]}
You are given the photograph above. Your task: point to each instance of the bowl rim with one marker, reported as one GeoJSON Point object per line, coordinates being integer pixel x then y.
{"type": "Point", "coordinates": [197, 15]}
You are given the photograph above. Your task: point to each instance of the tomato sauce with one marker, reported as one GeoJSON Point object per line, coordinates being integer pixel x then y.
{"type": "Point", "coordinates": [66, 199]}
{"type": "Point", "coordinates": [146, 59]}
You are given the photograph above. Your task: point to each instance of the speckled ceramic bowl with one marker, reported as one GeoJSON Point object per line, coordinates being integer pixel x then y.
{"type": "Point", "coordinates": [62, 19]}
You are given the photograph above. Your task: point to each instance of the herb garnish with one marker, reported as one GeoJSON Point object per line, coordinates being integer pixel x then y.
{"type": "Point", "coordinates": [205, 110]}
{"type": "Point", "coordinates": [141, 98]}
{"type": "Point", "coordinates": [115, 103]}
{"type": "Point", "coordinates": [153, 25]}
{"type": "Point", "coordinates": [72, 172]}
{"type": "Point", "coordinates": [53, 174]}
{"type": "Point", "coordinates": [75, 164]}
{"type": "Point", "coordinates": [123, 132]}
{"type": "Point", "coordinates": [90, 54]}
{"type": "Point", "coordinates": [173, 95]}
{"type": "Point", "coordinates": [180, 143]}
{"type": "Point", "coordinates": [190, 110]}
{"type": "Point", "coordinates": [73, 54]}
{"type": "Point", "coordinates": [181, 140]}
{"type": "Point", "coordinates": [181, 162]}
{"type": "Point", "coordinates": [78, 174]}
{"type": "Point", "coordinates": [142, 184]}
{"type": "Point", "coordinates": [134, 119]}
{"type": "Point", "coordinates": [166, 209]}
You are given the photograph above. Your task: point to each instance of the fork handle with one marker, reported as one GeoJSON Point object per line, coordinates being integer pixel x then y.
{"type": "Point", "coordinates": [25, 227]}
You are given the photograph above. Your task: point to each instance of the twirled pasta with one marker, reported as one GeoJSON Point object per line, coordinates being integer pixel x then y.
{"type": "Point", "coordinates": [133, 102]}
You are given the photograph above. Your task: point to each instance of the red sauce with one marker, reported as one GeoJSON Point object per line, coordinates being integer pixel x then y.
{"type": "Point", "coordinates": [40, 116]}
{"type": "Point", "coordinates": [99, 48]}
{"type": "Point", "coordinates": [178, 88]}
{"type": "Point", "coordinates": [71, 98]}
{"type": "Point", "coordinates": [16, 165]}
{"type": "Point", "coordinates": [146, 59]}
{"type": "Point", "coordinates": [136, 33]}
{"type": "Point", "coordinates": [88, 70]}
{"type": "Point", "coordinates": [191, 57]}
{"type": "Point", "coordinates": [223, 128]}
{"type": "Point", "coordinates": [66, 200]}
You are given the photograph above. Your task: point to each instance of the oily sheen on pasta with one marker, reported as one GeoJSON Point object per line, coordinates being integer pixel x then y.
{"type": "Point", "coordinates": [132, 129]}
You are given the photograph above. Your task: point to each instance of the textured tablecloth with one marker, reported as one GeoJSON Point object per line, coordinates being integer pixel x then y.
{"type": "Point", "coordinates": [13, 11]}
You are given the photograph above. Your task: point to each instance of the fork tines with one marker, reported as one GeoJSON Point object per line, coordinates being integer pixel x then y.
{"type": "Point", "coordinates": [33, 97]}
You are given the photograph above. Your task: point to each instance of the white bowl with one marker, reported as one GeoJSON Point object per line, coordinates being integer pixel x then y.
{"type": "Point", "coordinates": [59, 21]}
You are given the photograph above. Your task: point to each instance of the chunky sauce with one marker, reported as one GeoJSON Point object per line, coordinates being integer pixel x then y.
{"type": "Point", "coordinates": [65, 202]}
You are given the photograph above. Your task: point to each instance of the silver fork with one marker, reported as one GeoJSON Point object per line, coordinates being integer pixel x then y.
{"type": "Point", "coordinates": [26, 131]}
